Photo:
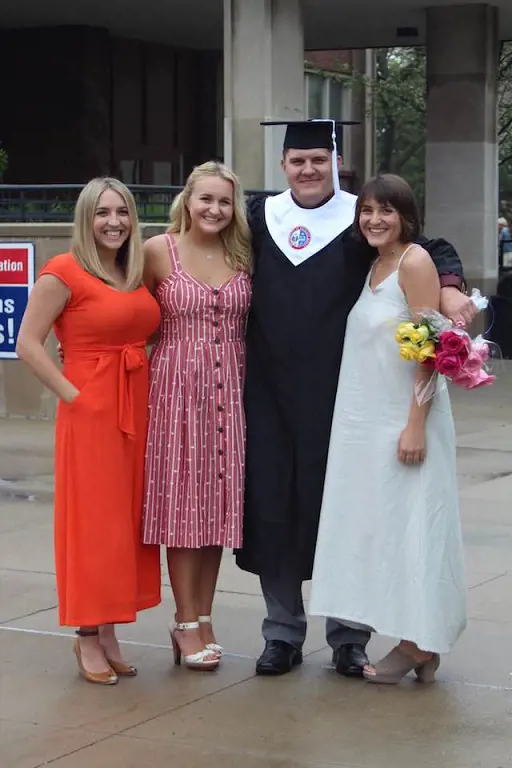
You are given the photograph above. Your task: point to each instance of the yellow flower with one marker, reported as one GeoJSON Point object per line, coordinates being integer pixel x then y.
{"type": "Point", "coordinates": [427, 350]}
{"type": "Point", "coordinates": [409, 351]}
{"type": "Point", "coordinates": [404, 330]}
{"type": "Point", "coordinates": [420, 334]}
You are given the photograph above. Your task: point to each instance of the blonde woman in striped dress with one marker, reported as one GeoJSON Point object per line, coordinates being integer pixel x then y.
{"type": "Point", "coordinates": [200, 273]}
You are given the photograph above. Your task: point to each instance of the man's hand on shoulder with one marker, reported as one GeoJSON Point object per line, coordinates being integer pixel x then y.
{"type": "Point", "coordinates": [457, 306]}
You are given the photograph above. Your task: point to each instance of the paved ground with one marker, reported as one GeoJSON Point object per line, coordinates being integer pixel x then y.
{"type": "Point", "coordinates": [310, 718]}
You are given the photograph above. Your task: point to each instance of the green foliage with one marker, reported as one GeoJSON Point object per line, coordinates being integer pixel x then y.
{"type": "Point", "coordinates": [505, 127]}
{"type": "Point", "coordinates": [400, 103]}
{"type": "Point", "coordinates": [399, 96]}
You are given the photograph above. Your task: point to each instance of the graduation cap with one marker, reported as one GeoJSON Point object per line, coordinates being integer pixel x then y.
{"type": "Point", "coordinates": [315, 134]}
{"type": "Point", "coordinates": [311, 134]}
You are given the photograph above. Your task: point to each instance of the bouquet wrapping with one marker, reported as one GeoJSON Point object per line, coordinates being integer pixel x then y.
{"type": "Point", "coordinates": [448, 350]}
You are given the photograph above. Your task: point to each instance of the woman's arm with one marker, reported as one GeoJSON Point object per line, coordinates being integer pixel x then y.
{"type": "Point", "coordinates": [454, 303]}
{"type": "Point", "coordinates": [420, 282]}
{"type": "Point", "coordinates": [148, 250]}
{"type": "Point", "coordinates": [157, 262]}
{"type": "Point", "coordinates": [157, 267]}
{"type": "Point", "coordinates": [47, 301]}
{"type": "Point", "coordinates": [150, 279]}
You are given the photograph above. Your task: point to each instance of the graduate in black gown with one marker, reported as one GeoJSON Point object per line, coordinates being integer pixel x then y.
{"type": "Point", "coordinates": [309, 272]}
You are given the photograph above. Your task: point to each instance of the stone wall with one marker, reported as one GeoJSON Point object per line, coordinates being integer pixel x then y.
{"type": "Point", "coordinates": [333, 61]}
{"type": "Point", "coordinates": [84, 103]}
{"type": "Point", "coordinates": [21, 394]}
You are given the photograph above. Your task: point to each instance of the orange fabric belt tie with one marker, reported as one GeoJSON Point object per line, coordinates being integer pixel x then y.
{"type": "Point", "coordinates": [131, 358]}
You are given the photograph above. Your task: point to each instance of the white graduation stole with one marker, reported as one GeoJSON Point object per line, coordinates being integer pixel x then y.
{"type": "Point", "coordinates": [301, 232]}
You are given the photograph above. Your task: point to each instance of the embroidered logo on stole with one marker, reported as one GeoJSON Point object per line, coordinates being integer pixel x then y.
{"type": "Point", "coordinates": [299, 238]}
{"type": "Point", "coordinates": [301, 232]}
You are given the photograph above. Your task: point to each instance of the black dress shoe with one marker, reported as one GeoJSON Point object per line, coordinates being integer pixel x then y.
{"type": "Point", "coordinates": [350, 660]}
{"type": "Point", "coordinates": [278, 658]}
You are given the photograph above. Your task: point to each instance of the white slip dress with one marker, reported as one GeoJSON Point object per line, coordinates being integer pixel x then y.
{"type": "Point", "coordinates": [389, 552]}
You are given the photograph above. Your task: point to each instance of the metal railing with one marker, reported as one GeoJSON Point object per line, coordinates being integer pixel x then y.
{"type": "Point", "coordinates": [56, 202]}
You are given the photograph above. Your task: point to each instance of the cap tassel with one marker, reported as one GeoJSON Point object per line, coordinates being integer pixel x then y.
{"type": "Point", "coordinates": [335, 172]}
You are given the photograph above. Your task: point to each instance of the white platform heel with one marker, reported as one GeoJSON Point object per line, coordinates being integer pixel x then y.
{"type": "Point", "coordinates": [206, 659]}
{"type": "Point", "coordinates": [215, 647]}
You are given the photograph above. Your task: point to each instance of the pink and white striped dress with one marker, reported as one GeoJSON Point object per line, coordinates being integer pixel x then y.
{"type": "Point", "coordinates": [196, 440]}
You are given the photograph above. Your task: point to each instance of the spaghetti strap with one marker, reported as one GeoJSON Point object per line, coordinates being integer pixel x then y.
{"type": "Point", "coordinates": [395, 271]}
{"type": "Point", "coordinates": [173, 252]}
{"type": "Point", "coordinates": [404, 254]}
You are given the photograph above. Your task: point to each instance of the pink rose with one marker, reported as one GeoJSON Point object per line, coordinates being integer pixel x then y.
{"type": "Point", "coordinates": [484, 379]}
{"type": "Point", "coordinates": [455, 343]}
{"type": "Point", "coordinates": [473, 380]}
{"type": "Point", "coordinates": [465, 379]}
{"type": "Point", "coordinates": [447, 364]}
{"type": "Point", "coordinates": [473, 363]}
{"type": "Point", "coordinates": [481, 348]}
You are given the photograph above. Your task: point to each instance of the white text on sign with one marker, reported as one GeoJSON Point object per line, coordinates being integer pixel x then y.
{"type": "Point", "coordinates": [11, 266]}
{"type": "Point", "coordinates": [17, 270]}
{"type": "Point", "coordinates": [7, 334]}
{"type": "Point", "coordinates": [7, 307]}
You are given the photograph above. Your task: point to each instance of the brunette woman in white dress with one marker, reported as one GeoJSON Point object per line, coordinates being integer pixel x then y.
{"type": "Point", "coordinates": [389, 554]}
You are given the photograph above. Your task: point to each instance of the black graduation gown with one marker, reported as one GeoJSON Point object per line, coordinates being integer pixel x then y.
{"type": "Point", "coordinates": [295, 333]}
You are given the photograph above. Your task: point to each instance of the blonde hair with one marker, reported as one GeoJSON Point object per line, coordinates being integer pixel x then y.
{"type": "Point", "coordinates": [83, 246]}
{"type": "Point", "coordinates": [236, 237]}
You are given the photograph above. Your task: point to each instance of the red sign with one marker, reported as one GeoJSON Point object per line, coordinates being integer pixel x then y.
{"type": "Point", "coordinates": [14, 266]}
{"type": "Point", "coordinates": [17, 267]}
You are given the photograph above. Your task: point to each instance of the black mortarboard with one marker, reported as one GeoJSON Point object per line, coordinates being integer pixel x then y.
{"type": "Point", "coordinates": [309, 134]}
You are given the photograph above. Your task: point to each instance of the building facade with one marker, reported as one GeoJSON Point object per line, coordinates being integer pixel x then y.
{"type": "Point", "coordinates": [142, 111]}
{"type": "Point", "coordinates": [148, 91]}
{"type": "Point", "coordinates": [85, 102]}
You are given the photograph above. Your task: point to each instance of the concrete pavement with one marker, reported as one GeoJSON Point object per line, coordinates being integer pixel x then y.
{"type": "Point", "coordinates": [311, 718]}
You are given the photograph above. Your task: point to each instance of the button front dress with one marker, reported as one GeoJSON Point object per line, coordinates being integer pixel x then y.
{"type": "Point", "coordinates": [196, 442]}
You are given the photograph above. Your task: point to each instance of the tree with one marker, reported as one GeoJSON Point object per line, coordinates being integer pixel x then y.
{"type": "Point", "coordinates": [505, 105]}
{"type": "Point", "coordinates": [399, 96]}
{"type": "Point", "coordinates": [399, 92]}
{"type": "Point", "coordinates": [505, 127]}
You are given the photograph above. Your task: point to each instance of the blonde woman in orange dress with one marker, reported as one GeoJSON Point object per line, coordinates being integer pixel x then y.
{"type": "Point", "coordinates": [102, 314]}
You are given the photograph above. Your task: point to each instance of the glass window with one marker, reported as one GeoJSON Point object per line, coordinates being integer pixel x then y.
{"type": "Point", "coordinates": [336, 100]}
{"type": "Point", "coordinates": [162, 173]}
{"type": "Point", "coordinates": [130, 171]}
{"type": "Point", "coordinates": [315, 96]}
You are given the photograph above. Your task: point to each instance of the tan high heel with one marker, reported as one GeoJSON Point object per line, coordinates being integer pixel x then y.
{"type": "Point", "coordinates": [426, 672]}
{"type": "Point", "coordinates": [99, 678]}
{"type": "Point", "coordinates": [205, 660]}
{"type": "Point", "coordinates": [397, 664]}
{"type": "Point", "coordinates": [215, 647]}
{"type": "Point", "coordinates": [122, 669]}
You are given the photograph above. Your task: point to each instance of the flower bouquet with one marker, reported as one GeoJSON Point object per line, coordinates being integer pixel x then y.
{"type": "Point", "coordinates": [449, 350]}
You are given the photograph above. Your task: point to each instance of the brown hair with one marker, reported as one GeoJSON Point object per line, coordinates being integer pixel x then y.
{"type": "Point", "coordinates": [391, 189]}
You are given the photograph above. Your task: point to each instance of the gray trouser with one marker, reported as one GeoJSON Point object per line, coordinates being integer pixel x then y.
{"type": "Point", "coordinates": [286, 619]}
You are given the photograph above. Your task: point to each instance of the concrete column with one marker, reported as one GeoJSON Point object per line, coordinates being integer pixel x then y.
{"type": "Point", "coordinates": [462, 156]}
{"type": "Point", "coordinates": [362, 138]}
{"type": "Point", "coordinates": [370, 133]}
{"type": "Point", "coordinates": [263, 80]}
